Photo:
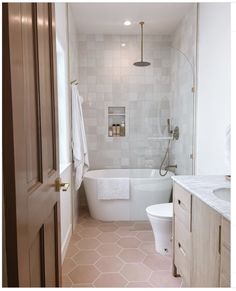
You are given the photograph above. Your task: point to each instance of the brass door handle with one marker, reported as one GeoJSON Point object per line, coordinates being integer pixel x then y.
{"type": "Point", "coordinates": [58, 184]}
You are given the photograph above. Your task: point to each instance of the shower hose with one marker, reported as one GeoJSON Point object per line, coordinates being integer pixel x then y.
{"type": "Point", "coordinates": [163, 161]}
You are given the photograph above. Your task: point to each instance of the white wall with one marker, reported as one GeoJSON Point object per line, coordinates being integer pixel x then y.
{"type": "Point", "coordinates": [73, 73]}
{"type": "Point", "coordinates": [233, 183]}
{"type": "Point", "coordinates": [213, 101]}
{"type": "Point", "coordinates": [64, 105]}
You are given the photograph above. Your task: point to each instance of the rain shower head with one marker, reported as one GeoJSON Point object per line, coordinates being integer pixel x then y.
{"type": "Point", "coordinates": [142, 63]}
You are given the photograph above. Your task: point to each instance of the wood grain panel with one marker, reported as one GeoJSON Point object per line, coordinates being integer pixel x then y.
{"type": "Point", "coordinates": [182, 251]}
{"type": "Point", "coordinates": [32, 219]}
{"type": "Point", "coordinates": [31, 98]}
{"type": "Point", "coordinates": [225, 254]}
{"type": "Point", "coordinates": [15, 185]}
{"type": "Point", "coordinates": [225, 233]}
{"type": "Point", "coordinates": [36, 262]}
{"type": "Point", "coordinates": [205, 245]}
{"type": "Point", "coordinates": [50, 250]}
{"type": "Point", "coordinates": [182, 205]}
{"type": "Point", "coordinates": [46, 87]}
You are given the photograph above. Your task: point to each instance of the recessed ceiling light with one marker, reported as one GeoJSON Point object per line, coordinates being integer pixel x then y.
{"type": "Point", "coordinates": [127, 23]}
{"type": "Point", "coordinates": [123, 44]}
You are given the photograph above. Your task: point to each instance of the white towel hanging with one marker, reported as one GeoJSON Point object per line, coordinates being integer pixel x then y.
{"type": "Point", "coordinates": [79, 143]}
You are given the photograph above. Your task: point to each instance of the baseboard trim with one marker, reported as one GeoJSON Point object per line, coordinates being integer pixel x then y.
{"type": "Point", "coordinates": [65, 243]}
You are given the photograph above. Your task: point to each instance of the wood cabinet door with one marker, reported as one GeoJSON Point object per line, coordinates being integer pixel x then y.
{"type": "Point", "coordinates": [225, 254]}
{"type": "Point", "coordinates": [30, 146]}
{"type": "Point", "coordinates": [206, 231]}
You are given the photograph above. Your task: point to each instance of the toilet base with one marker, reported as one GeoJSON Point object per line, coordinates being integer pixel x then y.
{"type": "Point", "coordinates": [162, 229]}
{"type": "Point", "coordinates": [165, 248]}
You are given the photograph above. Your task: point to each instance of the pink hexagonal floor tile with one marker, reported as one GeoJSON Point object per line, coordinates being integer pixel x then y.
{"type": "Point", "coordinates": [88, 244]}
{"type": "Point", "coordinates": [89, 222]}
{"type": "Point", "coordinates": [142, 225]}
{"type": "Point", "coordinates": [132, 255]}
{"type": "Point", "coordinates": [86, 257]}
{"type": "Point", "coordinates": [89, 232]}
{"type": "Point", "coordinates": [108, 249]}
{"type": "Point", "coordinates": [164, 279]}
{"type": "Point", "coordinates": [157, 262]}
{"type": "Point", "coordinates": [126, 231]}
{"type": "Point", "coordinates": [68, 265]}
{"type": "Point", "coordinates": [79, 226]}
{"type": "Point", "coordinates": [71, 251]}
{"type": "Point", "coordinates": [148, 247]}
{"type": "Point", "coordinates": [124, 223]}
{"type": "Point", "coordinates": [129, 242]}
{"type": "Point", "coordinates": [107, 227]}
{"type": "Point", "coordinates": [75, 238]}
{"type": "Point", "coordinates": [109, 264]}
{"type": "Point", "coordinates": [84, 274]}
{"type": "Point", "coordinates": [139, 285]}
{"type": "Point", "coordinates": [66, 282]}
{"type": "Point", "coordinates": [135, 272]}
{"type": "Point", "coordinates": [88, 285]}
{"type": "Point", "coordinates": [110, 280]}
{"type": "Point", "coordinates": [108, 237]}
{"type": "Point", "coordinates": [145, 236]}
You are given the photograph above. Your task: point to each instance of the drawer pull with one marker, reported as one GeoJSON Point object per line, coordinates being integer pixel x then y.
{"type": "Point", "coordinates": [219, 244]}
{"type": "Point", "coordinates": [181, 249]}
{"type": "Point", "coordinates": [179, 202]}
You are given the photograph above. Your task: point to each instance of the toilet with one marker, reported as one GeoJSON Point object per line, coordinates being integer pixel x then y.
{"type": "Point", "coordinates": [160, 217]}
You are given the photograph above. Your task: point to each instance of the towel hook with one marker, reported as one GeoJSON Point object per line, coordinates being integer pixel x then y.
{"type": "Point", "coordinates": [75, 82]}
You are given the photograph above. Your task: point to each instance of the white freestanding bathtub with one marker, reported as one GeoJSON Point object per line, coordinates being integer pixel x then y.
{"type": "Point", "coordinates": [147, 187]}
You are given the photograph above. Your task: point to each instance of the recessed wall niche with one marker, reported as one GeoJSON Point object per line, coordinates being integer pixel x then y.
{"type": "Point", "coordinates": [116, 125]}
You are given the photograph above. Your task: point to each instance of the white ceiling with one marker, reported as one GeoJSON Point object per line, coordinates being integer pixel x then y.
{"type": "Point", "coordinates": [108, 18]}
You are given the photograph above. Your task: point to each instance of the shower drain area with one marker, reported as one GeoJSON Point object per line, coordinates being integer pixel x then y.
{"type": "Point", "coordinates": [115, 254]}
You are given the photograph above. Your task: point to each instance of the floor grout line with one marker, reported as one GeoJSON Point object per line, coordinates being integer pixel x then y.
{"type": "Point", "coordinates": [133, 232]}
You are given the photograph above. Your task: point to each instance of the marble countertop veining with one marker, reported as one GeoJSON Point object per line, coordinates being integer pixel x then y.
{"type": "Point", "coordinates": [203, 186]}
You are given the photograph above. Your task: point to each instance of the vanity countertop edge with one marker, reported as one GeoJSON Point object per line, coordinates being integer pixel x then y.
{"type": "Point", "coordinates": [202, 186]}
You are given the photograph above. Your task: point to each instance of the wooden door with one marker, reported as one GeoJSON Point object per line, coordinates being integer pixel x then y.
{"type": "Point", "coordinates": [30, 146]}
{"type": "Point", "coordinates": [206, 228]}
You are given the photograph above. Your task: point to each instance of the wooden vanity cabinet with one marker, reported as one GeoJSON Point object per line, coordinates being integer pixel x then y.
{"type": "Point", "coordinates": [225, 254]}
{"type": "Point", "coordinates": [182, 232]}
{"type": "Point", "coordinates": [206, 235]}
{"type": "Point", "coordinates": [201, 242]}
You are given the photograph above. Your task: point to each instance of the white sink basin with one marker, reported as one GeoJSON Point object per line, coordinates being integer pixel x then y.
{"type": "Point", "coordinates": [222, 193]}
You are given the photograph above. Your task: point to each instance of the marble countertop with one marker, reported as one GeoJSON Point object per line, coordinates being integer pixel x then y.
{"type": "Point", "coordinates": [203, 186]}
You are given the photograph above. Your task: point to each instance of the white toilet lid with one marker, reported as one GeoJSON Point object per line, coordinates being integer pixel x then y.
{"type": "Point", "coordinates": [164, 210]}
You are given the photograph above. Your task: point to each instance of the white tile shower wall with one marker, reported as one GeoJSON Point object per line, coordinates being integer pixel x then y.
{"type": "Point", "coordinates": [182, 106]}
{"type": "Point", "coordinates": [107, 75]}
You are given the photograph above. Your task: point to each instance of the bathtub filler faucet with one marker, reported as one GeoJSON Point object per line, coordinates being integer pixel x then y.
{"type": "Point", "coordinates": [173, 132]}
{"type": "Point", "coordinates": [170, 166]}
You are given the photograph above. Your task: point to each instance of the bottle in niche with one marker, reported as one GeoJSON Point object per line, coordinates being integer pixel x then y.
{"type": "Point", "coordinates": [122, 128]}
{"type": "Point", "coordinates": [118, 130]}
{"type": "Point", "coordinates": [113, 130]}
{"type": "Point", "coordinates": [110, 133]}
